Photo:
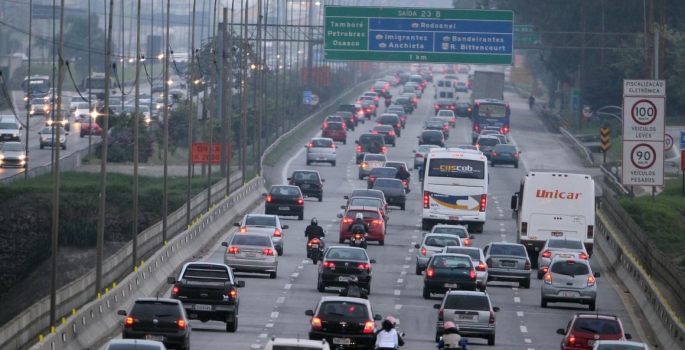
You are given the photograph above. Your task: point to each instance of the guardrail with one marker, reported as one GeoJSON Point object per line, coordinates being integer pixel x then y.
{"type": "Point", "coordinates": [612, 178]}
{"type": "Point", "coordinates": [631, 270]}
{"type": "Point", "coordinates": [579, 146]}
{"type": "Point", "coordinates": [82, 329]}
{"type": "Point", "coordinates": [26, 327]}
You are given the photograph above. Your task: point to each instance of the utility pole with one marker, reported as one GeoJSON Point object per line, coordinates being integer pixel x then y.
{"type": "Point", "coordinates": [136, 145]}
{"type": "Point", "coordinates": [103, 160]}
{"type": "Point", "coordinates": [228, 81]}
{"type": "Point", "coordinates": [221, 107]}
{"type": "Point", "coordinates": [649, 59]}
{"type": "Point", "coordinates": [212, 106]}
{"type": "Point", "coordinates": [56, 145]}
{"type": "Point", "coordinates": [191, 115]}
{"type": "Point", "coordinates": [259, 71]}
{"type": "Point", "coordinates": [28, 89]}
{"type": "Point", "coordinates": [243, 104]}
{"type": "Point", "coordinates": [662, 40]}
{"type": "Point", "coordinates": [90, 72]}
{"type": "Point", "coordinates": [165, 194]}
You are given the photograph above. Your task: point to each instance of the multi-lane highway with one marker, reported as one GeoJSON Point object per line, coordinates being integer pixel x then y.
{"type": "Point", "coordinates": [275, 307]}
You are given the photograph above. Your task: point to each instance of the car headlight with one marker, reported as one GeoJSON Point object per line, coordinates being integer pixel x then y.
{"type": "Point", "coordinates": [15, 135]}
{"type": "Point", "coordinates": [22, 157]}
{"type": "Point", "coordinates": [44, 139]}
{"type": "Point", "coordinates": [76, 113]}
{"type": "Point", "coordinates": [2, 156]}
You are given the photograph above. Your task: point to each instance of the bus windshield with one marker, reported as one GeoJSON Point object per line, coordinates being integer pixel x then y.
{"type": "Point", "coordinates": [492, 110]}
{"type": "Point", "coordinates": [38, 85]}
{"type": "Point", "coordinates": [457, 168]}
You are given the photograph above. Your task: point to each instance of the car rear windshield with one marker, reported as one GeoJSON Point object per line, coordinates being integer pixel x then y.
{"type": "Point", "coordinates": [374, 158]}
{"type": "Point", "coordinates": [206, 272]}
{"type": "Point", "coordinates": [306, 175]}
{"type": "Point", "coordinates": [322, 143]}
{"type": "Point", "coordinates": [155, 308]}
{"type": "Point", "coordinates": [334, 119]}
{"type": "Point", "coordinates": [596, 326]}
{"type": "Point", "coordinates": [569, 268]}
{"type": "Point", "coordinates": [367, 214]}
{"type": "Point", "coordinates": [506, 249]}
{"type": "Point", "coordinates": [334, 126]}
{"type": "Point", "coordinates": [461, 232]}
{"type": "Point", "coordinates": [285, 191]}
{"type": "Point", "coordinates": [384, 172]}
{"type": "Point", "coordinates": [402, 100]}
{"type": "Point", "coordinates": [366, 139]}
{"type": "Point", "coordinates": [505, 148]}
{"type": "Point", "coordinates": [565, 244]}
{"type": "Point", "coordinates": [432, 133]}
{"type": "Point", "coordinates": [454, 262]}
{"type": "Point", "coordinates": [364, 202]}
{"type": "Point", "coordinates": [620, 347]}
{"type": "Point", "coordinates": [343, 309]}
{"type": "Point", "coordinates": [488, 142]}
{"type": "Point", "coordinates": [367, 193]}
{"type": "Point", "coordinates": [467, 302]}
{"type": "Point", "coordinates": [388, 119]}
{"type": "Point", "coordinates": [444, 113]}
{"type": "Point", "coordinates": [294, 347]}
{"type": "Point", "coordinates": [254, 240]}
{"type": "Point", "coordinates": [441, 241]}
{"type": "Point", "coordinates": [133, 347]}
{"type": "Point", "coordinates": [390, 183]}
{"type": "Point", "coordinates": [254, 220]}
{"type": "Point", "coordinates": [435, 124]}
{"type": "Point", "coordinates": [474, 254]}
{"type": "Point", "coordinates": [347, 254]}
{"type": "Point", "coordinates": [383, 128]}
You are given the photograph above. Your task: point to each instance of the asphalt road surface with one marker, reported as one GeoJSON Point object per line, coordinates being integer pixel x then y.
{"type": "Point", "coordinates": [276, 307]}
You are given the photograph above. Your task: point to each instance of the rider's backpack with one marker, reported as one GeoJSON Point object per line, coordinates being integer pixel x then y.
{"type": "Point", "coordinates": [354, 292]}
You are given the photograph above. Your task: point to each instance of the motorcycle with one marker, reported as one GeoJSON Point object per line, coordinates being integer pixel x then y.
{"type": "Point", "coordinates": [388, 101]}
{"type": "Point", "coordinates": [358, 240]}
{"type": "Point", "coordinates": [463, 346]}
{"type": "Point", "coordinates": [315, 250]}
{"type": "Point", "coordinates": [405, 183]}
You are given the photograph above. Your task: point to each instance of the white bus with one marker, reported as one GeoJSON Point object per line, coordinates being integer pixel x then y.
{"type": "Point", "coordinates": [552, 204]}
{"type": "Point", "coordinates": [455, 188]}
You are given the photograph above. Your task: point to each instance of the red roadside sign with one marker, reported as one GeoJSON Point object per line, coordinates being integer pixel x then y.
{"type": "Point", "coordinates": [200, 153]}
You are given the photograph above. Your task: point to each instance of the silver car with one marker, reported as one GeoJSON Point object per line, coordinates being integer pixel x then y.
{"type": "Point", "coordinates": [13, 154]}
{"type": "Point", "coordinates": [433, 243]}
{"type": "Point", "coordinates": [448, 116]}
{"type": "Point", "coordinates": [619, 345]}
{"type": "Point", "coordinates": [471, 311]}
{"type": "Point", "coordinates": [47, 139]}
{"type": "Point", "coordinates": [421, 153]}
{"type": "Point", "coordinates": [508, 262]}
{"type": "Point", "coordinates": [478, 260]}
{"type": "Point", "coordinates": [321, 150]}
{"type": "Point", "coordinates": [560, 247]}
{"type": "Point", "coordinates": [134, 344]}
{"type": "Point", "coordinates": [569, 281]}
{"type": "Point", "coordinates": [251, 252]}
{"type": "Point", "coordinates": [267, 224]}
{"type": "Point", "coordinates": [370, 162]}
{"type": "Point", "coordinates": [456, 230]}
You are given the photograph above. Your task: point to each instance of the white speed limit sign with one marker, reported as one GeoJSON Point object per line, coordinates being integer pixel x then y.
{"type": "Point", "coordinates": [668, 142]}
{"type": "Point", "coordinates": [643, 118]}
{"type": "Point", "coordinates": [643, 156]}
{"type": "Point", "coordinates": [643, 163]}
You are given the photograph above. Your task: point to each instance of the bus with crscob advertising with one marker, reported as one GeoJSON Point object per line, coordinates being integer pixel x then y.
{"type": "Point", "coordinates": [455, 188]}
{"type": "Point", "coordinates": [557, 205]}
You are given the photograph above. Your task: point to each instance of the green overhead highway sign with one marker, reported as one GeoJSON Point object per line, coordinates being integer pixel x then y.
{"type": "Point", "coordinates": [418, 35]}
{"type": "Point", "coordinates": [525, 35]}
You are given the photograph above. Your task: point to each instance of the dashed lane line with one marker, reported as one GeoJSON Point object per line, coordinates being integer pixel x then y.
{"type": "Point", "coordinates": [517, 299]}
{"type": "Point", "coordinates": [274, 314]}
{"type": "Point", "coordinates": [524, 329]}
{"type": "Point", "coordinates": [519, 313]}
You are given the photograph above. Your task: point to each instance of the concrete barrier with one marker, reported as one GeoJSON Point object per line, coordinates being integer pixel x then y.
{"type": "Point", "coordinates": [85, 327]}
{"type": "Point", "coordinates": [668, 328]}
{"type": "Point", "coordinates": [25, 328]}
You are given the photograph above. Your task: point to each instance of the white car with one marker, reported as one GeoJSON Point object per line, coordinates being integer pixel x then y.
{"type": "Point", "coordinates": [560, 247]}
{"type": "Point", "coordinates": [134, 344]}
{"type": "Point", "coordinates": [619, 345]}
{"type": "Point", "coordinates": [296, 344]}
{"type": "Point", "coordinates": [457, 230]}
{"type": "Point", "coordinates": [262, 223]}
{"type": "Point", "coordinates": [321, 150]}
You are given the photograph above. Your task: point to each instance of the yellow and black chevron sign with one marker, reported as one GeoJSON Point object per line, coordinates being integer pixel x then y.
{"type": "Point", "coordinates": [605, 138]}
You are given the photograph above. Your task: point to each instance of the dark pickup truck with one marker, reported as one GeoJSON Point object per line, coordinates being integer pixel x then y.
{"type": "Point", "coordinates": [208, 293]}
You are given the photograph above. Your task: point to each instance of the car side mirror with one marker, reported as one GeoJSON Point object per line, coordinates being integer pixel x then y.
{"type": "Point", "coordinates": [236, 224]}
{"type": "Point", "coordinates": [377, 317]}
{"type": "Point", "coordinates": [514, 202]}
{"type": "Point", "coordinates": [495, 309]}
{"type": "Point", "coordinates": [413, 151]}
{"type": "Point", "coordinates": [264, 195]}
{"type": "Point", "coordinates": [121, 312]}
{"type": "Point", "coordinates": [309, 312]}
{"type": "Point", "coordinates": [417, 246]}
{"type": "Point", "coordinates": [596, 274]}
{"type": "Point", "coordinates": [386, 218]}
{"type": "Point", "coordinates": [356, 141]}
{"type": "Point", "coordinates": [346, 197]}
{"type": "Point", "coordinates": [628, 336]}
{"type": "Point", "coordinates": [240, 284]}
{"type": "Point", "coordinates": [40, 133]}
{"type": "Point", "coordinates": [289, 178]}
{"type": "Point", "coordinates": [472, 237]}
{"type": "Point", "coordinates": [224, 244]}
{"type": "Point", "coordinates": [171, 280]}
{"type": "Point", "coordinates": [436, 306]}
{"type": "Point", "coordinates": [343, 207]}
{"type": "Point", "coordinates": [285, 227]}
{"type": "Point", "coordinates": [520, 152]}
{"type": "Point", "coordinates": [339, 216]}
{"type": "Point", "coordinates": [66, 133]}
{"type": "Point", "coordinates": [21, 128]}
{"type": "Point", "coordinates": [418, 137]}
{"type": "Point", "coordinates": [323, 180]}
{"type": "Point", "coordinates": [561, 331]}
{"type": "Point", "coordinates": [306, 146]}
{"type": "Point", "coordinates": [373, 261]}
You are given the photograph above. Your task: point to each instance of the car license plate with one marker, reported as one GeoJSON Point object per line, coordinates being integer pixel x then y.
{"type": "Point", "coordinates": [557, 233]}
{"type": "Point", "coordinates": [154, 337]}
{"type": "Point", "coordinates": [315, 245]}
{"type": "Point", "coordinates": [320, 158]}
{"type": "Point", "coordinates": [508, 264]}
{"type": "Point", "coordinates": [203, 307]}
{"type": "Point", "coordinates": [467, 317]}
{"type": "Point", "coordinates": [283, 208]}
{"type": "Point", "coordinates": [341, 341]}
{"type": "Point", "coordinates": [357, 241]}
{"type": "Point", "coordinates": [451, 285]}
{"type": "Point", "coordinates": [454, 218]}
{"type": "Point", "coordinates": [565, 256]}
{"type": "Point", "coordinates": [568, 294]}
{"type": "Point", "coordinates": [343, 278]}
{"type": "Point", "coordinates": [251, 255]}
{"type": "Point", "coordinates": [305, 185]}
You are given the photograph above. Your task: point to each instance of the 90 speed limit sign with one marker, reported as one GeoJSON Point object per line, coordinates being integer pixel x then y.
{"type": "Point", "coordinates": [643, 163]}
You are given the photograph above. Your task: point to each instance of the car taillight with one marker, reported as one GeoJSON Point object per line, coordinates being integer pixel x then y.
{"type": "Point", "coordinates": [268, 251]}
{"type": "Point", "coordinates": [546, 254]}
{"type": "Point", "coordinates": [571, 340]}
{"type": "Point", "coordinates": [372, 90]}
{"type": "Point", "coordinates": [423, 251]}
{"type": "Point", "coordinates": [506, 129]}
{"type": "Point", "coordinates": [181, 324]}
{"type": "Point", "coordinates": [590, 281]}
{"type": "Point", "coordinates": [476, 127]}
{"type": "Point", "coordinates": [332, 145]}
{"type": "Point", "coordinates": [372, 179]}
{"type": "Point", "coordinates": [454, 120]}
{"type": "Point", "coordinates": [368, 327]}
{"type": "Point", "coordinates": [481, 266]}
{"type": "Point", "coordinates": [494, 154]}
{"type": "Point", "coordinates": [472, 274]}
{"type": "Point", "coordinates": [300, 200]}
{"type": "Point", "coordinates": [347, 220]}
{"type": "Point", "coordinates": [437, 106]}
{"type": "Point", "coordinates": [129, 321]}
{"type": "Point", "coordinates": [426, 201]}
{"type": "Point", "coordinates": [483, 202]}
{"type": "Point", "coordinates": [467, 242]}
{"type": "Point", "coordinates": [385, 149]}
{"type": "Point", "coordinates": [397, 81]}
{"type": "Point", "coordinates": [423, 84]}
{"type": "Point", "coordinates": [548, 278]}
{"type": "Point", "coordinates": [527, 265]}
{"type": "Point", "coordinates": [492, 317]}
{"type": "Point", "coordinates": [377, 222]}
{"type": "Point", "coordinates": [277, 233]}
{"type": "Point", "coordinates": [399, 125]}
{"type": "Point", "coordinates": [478, 146]}
{"type": "Point", "coordinates": [233, 293]}
{"type": "Point", "coordinates": [329, 264]}
{"type": "Point", "coordinates": [174, 290]}
{"type": "Point", "coordinates": [316, 323]}
{"type": "Point", "coordinates": [359, 149]}
{"type": "Point", "coordinates": [392, 133]}
{"type": "Point", "coordinates": [516, 155]}
{"type": "Point", "coordinates": [489, 263]}
{"type": "Point", "coordinates": [590, 232]}
{"type": "Point", "coordinates": [268, 199]}
{"type": "Point", "coordinates": [363, 165]}
{"type": "Point", "coordinates": [447, 127]}
{"type": "Point", "coordinates": [451, 107]}
{"type": "Point", "coordinates": [430, 272]}
{"type": "Point", "coordinates": [582, 256]}
{"type": "Point", "coordinates": [419, 155]}
{"type": "Point", "coordinates": [243, 229]}
{"type": "Point", "coordinates": [364, 266]}
{"type": "Point", "coordinates": [441, 314]}
{"type": "Point", "coordinates": [233, 250]}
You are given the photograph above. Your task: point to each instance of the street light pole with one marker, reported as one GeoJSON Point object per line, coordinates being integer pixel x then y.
{"type": "Point", "coordinates": [228, 81]}
{"type": "Point", "coordinates": [28, 88]}
{"type": "Point", "coordinates": [136, 145]}
{"type": "Point", "coordinates": [165, 194]}
{"type": "Point", "coordinates": [190, 119]}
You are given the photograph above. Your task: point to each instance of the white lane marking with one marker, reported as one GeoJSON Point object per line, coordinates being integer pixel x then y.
{"type": "Point", "coordinates": [501, 224]}
{"type": "Point", "coordinates": [280, 300]}
{"type": "Point", "coordinates": [496, 202]}
{"type": "Point", "coordinates": [295, 274]}
{"type": "Point", "coordinates": [519, 313]}
{"type": "Point", "coordinates": [305, 261]}
{"type": "Point", "coordinates": [501, 215]}
{"type": "Point", "coordinates": [274, 314]}
{"type": "Point", "coordinates": [514, 288]}
{"type": "Point", "coordinates": [264, 335]}
{"type": "Point", "coordinates": [503, 235]}
{"type": "Point", "coordinates": [269, 325]}
{"type": "Point", "coordinates": [413, 237]}
{"type": "Point", "coordinates": [255, 346]}
{"type": "Point", "coordinates": [400, 280]}
{"type": "Point", "coordinates": [413, 243]}
{"type": "Point", "coordinates": [407, 258]}
{"type": "Point", "coordinates": [411, 250]}
{"type": "Point", "coordinates": [329, 226]}
{"type": "Point", "coordinates": [300, 267]}
{"type": "Point", "coordinates": [405, 266]}
{"type": "Point", "coordinates": [403, 273]}
{"type": "Point", "coordinates": [418, 225]}
{"type": "Point", "coordinates": [397, 292]}
{"type": "Point", "coordinates": [524, 329]}
{"type": "Point", "coordinates": [528, 341]}
{"type": "Point", "coordinates": [398, 306]}
{"type": "Point", "coordinates": [501, 230]}
{"type": "Point", "coordinates": [517, 299]}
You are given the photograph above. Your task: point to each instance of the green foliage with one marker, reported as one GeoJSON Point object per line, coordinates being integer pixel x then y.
{"type": "Point", "coordinates": [121, 140]}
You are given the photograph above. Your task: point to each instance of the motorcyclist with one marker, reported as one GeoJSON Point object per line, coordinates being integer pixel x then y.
{"type": "Point", "coordinates": [403, 175]}
{"type": "Point", "coordinates": [314, 231]}
{"type": "Point", "coordinates": [358, 226]}
{"type": "Point", "coordinates": [388, 101]}
{"type": "Point", "coordinates": [392, 320]}
{"type": "Point", "coordinates": [451, 338]}
{"type": "Point", "coordinates": [353, 290]}
{"type": "Point", "coordinates": [531, 101]}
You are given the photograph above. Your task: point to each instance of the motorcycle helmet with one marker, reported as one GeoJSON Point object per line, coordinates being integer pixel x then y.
{"type": "Point", "coordinates": [352, 280]}
{"type": "Point", "coordinates": [450, 324]}
{"type": "Point", "coordinates": [391, 320]}
{"type": "Point", "coordinates": [359, 216]}
{"type": "Point", "coordinates": [314, 221]}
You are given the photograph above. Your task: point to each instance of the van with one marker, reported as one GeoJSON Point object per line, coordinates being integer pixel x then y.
{"type": "Point", "coordinates": [10, 129]}
{"type": "Point", "coordinates": [445, 94]}
{"type": "Point", "coordinates": [444, 84]}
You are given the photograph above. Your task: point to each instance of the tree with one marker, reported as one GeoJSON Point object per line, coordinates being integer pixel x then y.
{"type": "Point", "coordinates": [121, 141]}
{"type": "Point", "coordinates": [76, 36]}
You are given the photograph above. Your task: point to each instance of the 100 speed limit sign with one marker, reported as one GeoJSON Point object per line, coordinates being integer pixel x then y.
{"type": "Point", "coordinates": [643, 163]}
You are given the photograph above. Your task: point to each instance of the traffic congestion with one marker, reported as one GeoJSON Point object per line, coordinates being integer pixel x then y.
{"type": "Point", "coordinates": [412, 220]}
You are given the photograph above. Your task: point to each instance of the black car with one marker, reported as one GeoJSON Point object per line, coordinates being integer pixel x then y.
{"type": "Point", "coordinates": [370, 143]}
{"type": "Point", "coordinates": [339, 263]}
{"type": "Point", "coordinates": [445, 104]}
{"type": "Point", "coordinates": [350, 120]}
{"type": "Point", "coordinates": [404, 78]}
{"type": "Point", "coordinates": [394, 191]}
{"type": "Point", "coordinates": [486, 144]}
{"type": "Point", "coordinates": [463, 109]}
{"type": "Point", "coordinates": [284, 200]}
{"type": "Point", "coordinates": [448, 272]}
{"type": "Point", "coordinates": [388, 133]}
{"type": "Point", "coordinates": [344, 322]}
{"type": "Point", "coordinates": [399, 110]}
{"type": "Point", "coordinates": [427, 75]}
{"type": "Point", "coordinates": [505, 154]}
{"type": "Point", "coordinates": [159, 319]}
{"type": "Point", "coordinates": [432, 137]}
{"type": "Point", "coordinates": [309, 182]}
{"type": "Point", "coordinates": [380, 173]}
{"type": "Point", "coordinates": [381, 89]}
{"type": "Point", "coordinates": [445, 125]}
{"type": "Point", "coordinates": [349, 108]}
{"type": "Point", "coordinates": [391, 119]}
{"type": "Point", "coordinates": [369, 108]}
{"type": "Point", "coordinates": [406, 103]}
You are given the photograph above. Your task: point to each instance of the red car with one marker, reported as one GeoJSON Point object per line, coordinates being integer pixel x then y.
{"type": "Point", "coordinates": [585, 329]}
{"type": "Point", "coordinates": [335, 131]}
{"type": "Point", "coordinates": [372, 217]}
{"type": "Point", "coordinates": [90, 128]}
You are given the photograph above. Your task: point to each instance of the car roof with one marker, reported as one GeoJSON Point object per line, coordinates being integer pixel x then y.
{"type": "Point", "coordinates": [604, 317]}
{"type": "Point", "coordinates": [319, 138]}
{"type": "Point", "coordinates": [619, 342]}
{"type": "Point", "coordinates": [438, 235]}
{"type": "Point", "coordinates": [367, 198]}
{"type": "Point", "coordinates": [384, 168]}
{"type": "Point", "coordinates": [575, 261]}
{"type": "Point", "coordinates": [261, 215]}
{"type": "Point", "coordinates": [431, 131]}
{"type": "Point", "coordinates": [451, 254]}
{"type": "Point", "coordinates": [345, 299]}
{"type": "Point", "coordinates": [135, 342]}
{"type": "Point", "coordinates": [387, 179]}
{"type": "Point", "coordinates": [447, 225]}
{"type": "Point", "coordinates": [289, 342]}
{"type": "Point", "coordinates": [466, 292]}
{"type": "Point", "coordinates": [300, 171]}
{"type": "Point", "coordinates": [507, 243]}
{"type": "Point", "coordinates": [383, 126]}
{"type": "Point", "coordinates": [274, 186]}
